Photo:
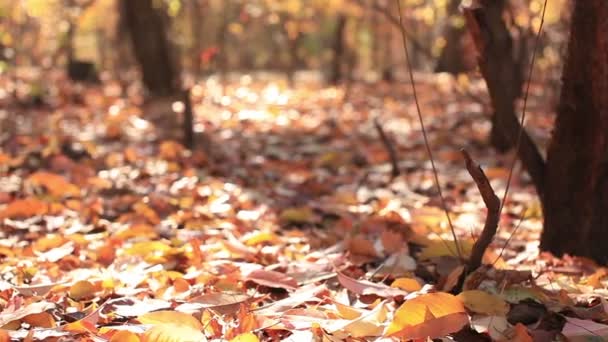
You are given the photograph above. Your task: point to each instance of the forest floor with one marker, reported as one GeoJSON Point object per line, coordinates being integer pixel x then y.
{"type": "Point", "coordinates": [283, 222]}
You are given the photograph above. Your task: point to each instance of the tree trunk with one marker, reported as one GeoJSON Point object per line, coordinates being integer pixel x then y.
{"type": "Point", "coordinates": [453, 55]}
{"type": "Point", "coordinates": [576, 198]}
{"type": "Point", "coordinates": [503, 76]}
{"type": "Point", "coordinates": [338, 47]}
{"type": "Point", "coordinates": [151, 48]}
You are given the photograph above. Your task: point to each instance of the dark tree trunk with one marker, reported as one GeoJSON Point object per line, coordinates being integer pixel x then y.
{"type": "Point", "coordinates": [453, 55]}
{"type": "Point", "coordinates": [503, 76]}
{"type": "Point", "coordinates": [576, 197]}
{"type": "Point", "coordinates": [339, 50]}
{"type": "Point", "coordinates": [151, 48]}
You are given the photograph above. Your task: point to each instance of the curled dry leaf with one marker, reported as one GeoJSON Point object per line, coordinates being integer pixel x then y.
{"type": "Point", "coordinates": [272, 279]}
{"type": "Point", "coordinates": [429, 315]}
{"type": "Point", "coordinates": [364, 287]}
{"type": "Point", "coordinates": [223, 303]}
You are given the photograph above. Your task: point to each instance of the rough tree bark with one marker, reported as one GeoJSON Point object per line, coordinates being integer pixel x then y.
{"type": "Point", "coordinates": [576, 196]}
{"type": "Point", "coordinates": [503, 76]}
{"type": "Point", "coordinates": [151, 47]}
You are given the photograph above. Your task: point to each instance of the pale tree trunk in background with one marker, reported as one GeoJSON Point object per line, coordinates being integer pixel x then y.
{"type": "Point", "coordinates": [576, 186]}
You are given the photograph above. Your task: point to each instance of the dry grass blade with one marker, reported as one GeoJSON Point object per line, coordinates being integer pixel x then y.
{"type": "Point", "coordinates": [426, 140]}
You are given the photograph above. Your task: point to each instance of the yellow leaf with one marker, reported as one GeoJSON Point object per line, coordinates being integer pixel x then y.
{"type": "Point", "coordinates": [261, 237]}
{"type": "Point", "coordinates": [171, 317]}
{"type": "Point", "coordinates": [148, 247]}
{"type": "Point", "coordinates": [173, 332]}
{"type": "Point", "coordinates": [429, 315]}
{"type": "Point", "coordinates": [407, 284]}
{"type": "Point", "coordinates": [82, 290]}
{"type": "Point", "coordinates": [297, 215]}
{"type": "Point", "coordinates": [484, 303]}
{"type": "Point", "coordinates": [246, 337]}
{"type": "Point", "coordinates": [438, 248]}
{"type": "Point", "coordinates": [124, 336]}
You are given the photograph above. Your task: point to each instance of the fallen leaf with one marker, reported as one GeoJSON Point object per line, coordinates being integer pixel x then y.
{"type": "Point", "coordinates": [429, 315]}
{"type": "Point", "coordinates": [246, 337]}
{"type": "Point", "coordinates": [406, 284]}
{"type": "Point", "coordinates": [173, 332]}
{"type": "Point", "coordinates": [484, 303]}
{"type": "Point", "coordinates": [124, 336]}
{"type": "Point", "coordinates": [364, 287]}
{"type": "Point", "coordinates": [272, 279]}
{"type": "Point", "coordinates": [171, 317]}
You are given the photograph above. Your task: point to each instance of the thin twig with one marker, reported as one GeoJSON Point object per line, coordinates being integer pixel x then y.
{"type": "Point", "coordinates": [523, 112]}
{"type": "Point", "coordinates": [386, 12]}
{"type": "Point", "coordinates": [492, 202]}
{"type": "Point", "coordinates": [522, 217]}
{"type": "Point", "coordinates": [390, 149]}
{"type": "Point", "coordinates": [426, 140]}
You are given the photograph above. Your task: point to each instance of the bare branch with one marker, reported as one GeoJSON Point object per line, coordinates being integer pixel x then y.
{"type": "Point", "coordinates": [492, 203]}
{"type": "Point", "coordinates": [390, 149]}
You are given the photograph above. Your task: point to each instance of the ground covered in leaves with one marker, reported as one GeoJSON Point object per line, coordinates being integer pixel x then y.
{"type": "Point", "coordinates": [284, 223]}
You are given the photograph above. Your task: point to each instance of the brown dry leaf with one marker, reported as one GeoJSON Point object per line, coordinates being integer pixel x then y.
{"type": "Point", "coordinates": [297, 215]}
{"type": "Point", "coordinates": [272, 279]}
{"type": "Point", "coordinates": [359, 245]}
{"type": "Point", "coordinates": [364, 287]}
{"type": "Point", "coordinates": [223, 303]}
{"type": "Point", "coordinates": [484, 303]}
{"type": "Point", "coordinates": [429, 315]}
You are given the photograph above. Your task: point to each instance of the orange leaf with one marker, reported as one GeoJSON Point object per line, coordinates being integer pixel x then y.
{"type": "Point", "coordinates": [24, 208]}
{"type": "Point", "coordinates": [124, 336]}
{"type": "Point", "coordinates": [4, 336]}
{"type": "Point", "coordinates": [520, 334]}
{"type": "Point", "coordinates": [41, 320]}
{"type": "Point", "coordinates": [407, 284]}
{"type": "Point", "coordinates": [430, 315]}
{"type": "Point", "coordinates": [54, 184]}
{"type": "Point", "coordinates": [82, 290]}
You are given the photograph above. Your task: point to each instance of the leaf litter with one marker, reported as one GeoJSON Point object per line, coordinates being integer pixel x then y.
{"type": "Point", "coordinates": [283, 224]}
